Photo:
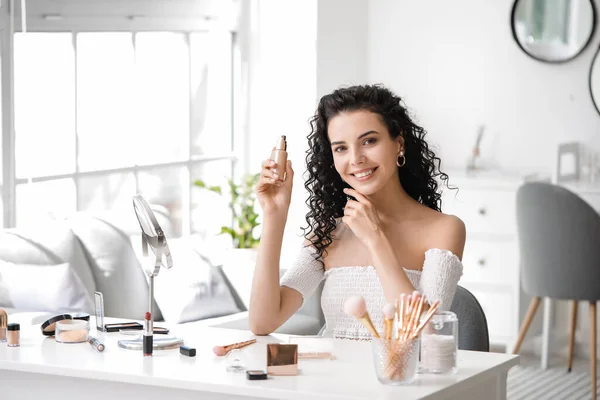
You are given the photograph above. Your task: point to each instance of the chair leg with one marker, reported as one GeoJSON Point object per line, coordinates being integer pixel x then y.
{"type": "Point", "coordinates": [593, 347]}
{"type": "Point", "coordinates": [533, 306]}
{"type": "Point", "coordinates": [574, 304]}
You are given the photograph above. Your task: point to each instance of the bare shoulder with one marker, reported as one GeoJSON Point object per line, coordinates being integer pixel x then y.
{"type": "Point", "coordinates": [448, 232]}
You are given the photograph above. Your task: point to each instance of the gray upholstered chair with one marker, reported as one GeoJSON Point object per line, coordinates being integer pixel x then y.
{"type": "Point", "coordinates": [472, 324]}
{"type": "Point", "coordinates": [559, 243]}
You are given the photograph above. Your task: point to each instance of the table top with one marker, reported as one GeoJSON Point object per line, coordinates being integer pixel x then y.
{"type": "Point", "coordinates": [351, 375]}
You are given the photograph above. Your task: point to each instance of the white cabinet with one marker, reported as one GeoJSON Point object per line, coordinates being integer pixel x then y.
{"type": "Point", "coordinates": [486, 204]}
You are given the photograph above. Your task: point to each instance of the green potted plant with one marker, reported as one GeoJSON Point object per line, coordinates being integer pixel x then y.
{"type": "Point", "coordinates": [238, 263]}
{"type": "Point", "coordinates": [242, 200]}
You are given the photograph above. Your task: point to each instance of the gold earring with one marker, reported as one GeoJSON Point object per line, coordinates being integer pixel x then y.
{"type": "Point", "coordinates": [398, 163]}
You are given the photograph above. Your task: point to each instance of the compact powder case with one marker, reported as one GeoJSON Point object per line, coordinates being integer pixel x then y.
{"type": "Point", "coordinates": [81, 316]}
{"type": "Point", "coordinates": [49, 327]}
{"type": "Point", "coordinates": [282, 359]}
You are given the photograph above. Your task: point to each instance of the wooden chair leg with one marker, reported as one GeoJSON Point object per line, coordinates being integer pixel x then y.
{"type": "Point", "coordinates": [574, 304]}
{"type": "Point", "coordinates": [533, 306]}
{"type": "Point", "coordinates": [593, 347]}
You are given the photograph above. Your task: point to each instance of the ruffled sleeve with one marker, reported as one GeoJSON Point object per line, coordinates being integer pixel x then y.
{"type": "Point", "coordinates": [305, 274]}
{"type": "Point", "coordinates": [441, 272]}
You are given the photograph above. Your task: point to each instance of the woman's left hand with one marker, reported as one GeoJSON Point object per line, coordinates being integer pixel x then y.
{"type": "Point", "coordinates": [361, 216]}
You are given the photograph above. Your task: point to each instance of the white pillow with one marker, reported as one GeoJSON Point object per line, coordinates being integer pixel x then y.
{"type": "Point", "coordinates": [193, 289]}
{"type": "Point", "coordinates": [54, 288]}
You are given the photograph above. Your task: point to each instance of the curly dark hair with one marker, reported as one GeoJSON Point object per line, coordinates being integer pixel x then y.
{"type": "Point", "coordinates": [326, 200]}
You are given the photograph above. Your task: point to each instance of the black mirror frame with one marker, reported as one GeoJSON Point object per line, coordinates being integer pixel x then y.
{"type": "Point", "coordinates": [516, 39]}
{"type": "Point", "coordinates": [594, 60]}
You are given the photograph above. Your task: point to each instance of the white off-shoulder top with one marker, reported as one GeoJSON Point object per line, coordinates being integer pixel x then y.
{"type": "Point", "coordinates": [438, 280]}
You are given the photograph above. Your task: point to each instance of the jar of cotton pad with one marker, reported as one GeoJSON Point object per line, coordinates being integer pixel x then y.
{"type": "Point", "coordinates": [72, 331]}
{"type": "Point", "coordinates": [439, 344]}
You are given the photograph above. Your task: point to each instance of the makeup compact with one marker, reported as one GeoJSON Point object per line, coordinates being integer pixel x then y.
{"type": "Point", "coordinates": [282, 359]}
{"type": "Point", "coordinates": [49, 326]}
{"type": "Point", "coordinates": [256, 375]}
{"type": "Point", "coordinates": [81, 316]}
{"type": "Point", "coordinates": [135, 326]}
{"type": "Point", "coordinates": [72, 331]}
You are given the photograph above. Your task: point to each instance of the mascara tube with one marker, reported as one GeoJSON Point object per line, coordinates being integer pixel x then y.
{"type": "Point", "coordinates": [96, 344]}
{"type": "Point", "coordinates": [147, 345]}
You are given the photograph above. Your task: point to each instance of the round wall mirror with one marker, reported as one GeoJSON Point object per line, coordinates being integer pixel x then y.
{"type": "Point", "coordinates": [553, 30]}
{"type": "Point", "coordinates": [595, 80]}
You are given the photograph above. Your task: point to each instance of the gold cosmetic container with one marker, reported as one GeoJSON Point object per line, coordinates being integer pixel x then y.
{"type": "Point", "coordinates": [282, 359]}
{"type": "Point", "coordinates": [279, 155]}
{"type": "Point", "coordinates": [3, 323]}
{"type": "Point", "coordinates": [14, 335]}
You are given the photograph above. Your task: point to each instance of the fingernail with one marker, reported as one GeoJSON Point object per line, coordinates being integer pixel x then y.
{"type": "Point", "coordinates": [275, 176]}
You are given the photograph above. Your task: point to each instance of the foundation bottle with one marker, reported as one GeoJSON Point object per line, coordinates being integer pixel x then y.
{"type": "Point", "coordinates": [279, 155]}
{"type": "Point", "coordinates": [3, 323]}
{"type": "Point", "coordinates": [14, 335]}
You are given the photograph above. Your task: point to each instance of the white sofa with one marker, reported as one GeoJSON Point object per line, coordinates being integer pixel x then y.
{"type": "Point", "coordinates": [99, 251]}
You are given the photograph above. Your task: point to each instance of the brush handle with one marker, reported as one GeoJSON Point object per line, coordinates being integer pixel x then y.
{"type": "Point", "coordinates": [366, 321]}
{"type": "Point", "coordinates": [238, 345]}
{"type": "Point", "coordinates": [315, 355]}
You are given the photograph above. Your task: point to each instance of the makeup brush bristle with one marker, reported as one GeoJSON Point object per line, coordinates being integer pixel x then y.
{"type": "Point", "coordinates": [355, 306]}
{"type": "Point", "coordinates": [389, 310]}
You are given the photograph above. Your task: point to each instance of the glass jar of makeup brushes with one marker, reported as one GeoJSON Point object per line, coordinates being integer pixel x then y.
{"type": "Point", "coordinates": [439, 344]}
{"type": "Point", "coordinates": [395, 360]}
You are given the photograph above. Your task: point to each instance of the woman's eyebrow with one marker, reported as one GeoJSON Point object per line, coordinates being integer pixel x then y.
{"type": "Point", "coordinates": [359, 137]}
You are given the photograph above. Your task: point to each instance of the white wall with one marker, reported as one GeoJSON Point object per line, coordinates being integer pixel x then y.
{"type": "Point", "coordinates": [458, 67]}
{"type": "Point", "coordinates": [342, 36]}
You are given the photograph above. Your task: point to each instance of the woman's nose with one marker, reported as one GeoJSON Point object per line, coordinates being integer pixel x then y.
{"type": "Point", "coordinates": [357, 157]}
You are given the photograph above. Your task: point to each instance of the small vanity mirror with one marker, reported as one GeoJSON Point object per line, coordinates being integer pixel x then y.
{"type": "Point", "coordinates": [152, 235]}
{"type": "Point", "coordinates": [553, 30]}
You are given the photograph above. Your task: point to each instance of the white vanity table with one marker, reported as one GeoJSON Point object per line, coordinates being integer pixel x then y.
{"type": "Point", "coordinates": [486, 202]}
{"type": "Point", "coordinates": [42, 368]}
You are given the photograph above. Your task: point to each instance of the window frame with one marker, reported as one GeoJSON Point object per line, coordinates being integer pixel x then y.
{"type": "Point", "coordinates": [133, 16]}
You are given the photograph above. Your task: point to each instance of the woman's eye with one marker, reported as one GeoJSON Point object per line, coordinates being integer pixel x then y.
{"type": "Point", "coordinates": [339, 149]}
{"type": "Point", "coordinates": [370, 141]}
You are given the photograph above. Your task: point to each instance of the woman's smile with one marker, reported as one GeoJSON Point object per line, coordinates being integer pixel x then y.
{"type": "Point", "coordinates": [364, 174]}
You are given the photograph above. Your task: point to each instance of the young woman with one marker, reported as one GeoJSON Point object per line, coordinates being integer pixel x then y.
{"type": "Point", "coordinates": [375, 226]}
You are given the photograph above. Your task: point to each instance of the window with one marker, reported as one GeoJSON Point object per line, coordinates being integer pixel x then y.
{"type": "Point", "coordinates": [101, 116]}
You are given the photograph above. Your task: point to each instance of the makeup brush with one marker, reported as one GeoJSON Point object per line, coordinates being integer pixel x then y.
{"type": "Point", "coordinates": [223, 350]}
{"type": "Point", "coordinates": [426, 318]}
{"type": "Point", "coordinates": [388, 312]}
{"type": "Point", "coordinates": [356, 307]}
{"type": "Point", "coordinates": [401, 315]}
{"type": "Point", "coordinates": [418, 301]}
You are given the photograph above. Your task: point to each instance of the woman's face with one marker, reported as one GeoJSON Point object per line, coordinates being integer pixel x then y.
{"type": "Point", "coordinates": [364, 153]}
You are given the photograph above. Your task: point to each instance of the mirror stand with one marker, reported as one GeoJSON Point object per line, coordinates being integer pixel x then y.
{"type": "Point", "coordinates": [153, 237]}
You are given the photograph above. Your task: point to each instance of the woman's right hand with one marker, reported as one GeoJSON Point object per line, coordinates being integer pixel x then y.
{"type": "Point", "coordinates": [273, 193]}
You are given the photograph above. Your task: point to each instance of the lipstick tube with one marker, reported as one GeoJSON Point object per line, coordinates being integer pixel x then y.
{"type": "Point", "coordinates": [148, 338]}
